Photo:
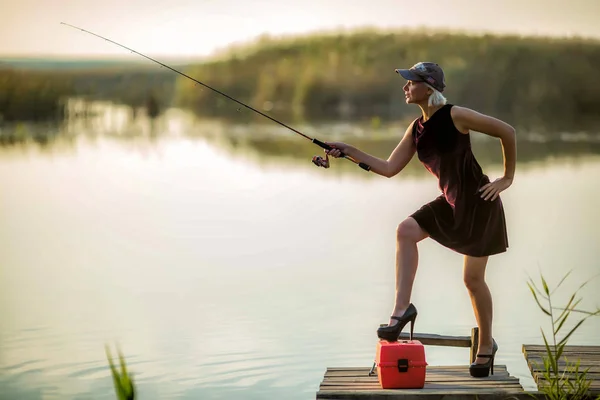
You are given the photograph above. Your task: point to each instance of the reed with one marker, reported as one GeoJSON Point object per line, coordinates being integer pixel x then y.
{"type": "Point", "coordinates": [570, 382]}
{"type": "Point", "coordinates": [122, 380]}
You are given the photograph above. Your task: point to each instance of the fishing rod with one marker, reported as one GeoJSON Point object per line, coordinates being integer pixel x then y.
{"type": "Point", "coordinates": [318, 161]}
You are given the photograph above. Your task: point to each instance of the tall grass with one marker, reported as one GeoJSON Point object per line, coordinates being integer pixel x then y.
{"type": "Point", "coordinates": [122, 380]}
{"type": "Point", "coordinates": [570, 382]}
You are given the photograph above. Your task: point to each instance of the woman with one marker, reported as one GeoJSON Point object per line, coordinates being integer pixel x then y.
{"type": "Point", "coordinates": [468, 217]}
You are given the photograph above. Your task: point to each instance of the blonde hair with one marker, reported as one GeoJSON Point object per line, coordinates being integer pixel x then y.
{"type": "Point", "coordinates": [436, 98]}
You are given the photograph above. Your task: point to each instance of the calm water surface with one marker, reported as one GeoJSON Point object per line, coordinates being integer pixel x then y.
{"type": "Point", "coordinates": [225, 268]}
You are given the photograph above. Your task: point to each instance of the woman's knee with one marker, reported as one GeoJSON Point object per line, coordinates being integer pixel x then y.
{"type": "Point", "coordinates": [473, 282]}
{"type": "Point", "coordinates": [409, 230]}
{"type": "Point", "coordinates": [474, 273]}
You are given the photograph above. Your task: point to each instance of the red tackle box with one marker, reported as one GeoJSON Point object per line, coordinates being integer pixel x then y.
{"type": "Point", "coordinates": [401, 364]}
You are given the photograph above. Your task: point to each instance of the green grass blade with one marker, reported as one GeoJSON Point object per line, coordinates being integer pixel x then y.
{"type": "Point", "coordinates": [545, 285]}
{"type": "Point", "coordinates": [123, 383]}
{"type": "Point", "coordinates": [550, 354]}
{"type": "Point", "coordinates": [538, 301]}
{"type": "Point", "coordinates": [561, 322]}
{"type": "Point", "coordinates": [533, 286]}
{"type": "Point", "coordinates": [568, 307]}
{"type": "Point", "coordinates": [559, 350]}
{"type": "Point", "coordinates": [126, 381]}
{"type": "Point", "coordinates": [562, 280]}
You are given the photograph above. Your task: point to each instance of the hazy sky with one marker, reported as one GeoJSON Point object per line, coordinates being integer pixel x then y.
{"type": "Point", "coordinates": [197, 27]}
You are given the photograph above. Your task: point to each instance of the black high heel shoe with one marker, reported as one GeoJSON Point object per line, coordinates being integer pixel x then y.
{"type": "Point", "coordinates": [391, 333]}
{"type": "Point", "coordinates": [483, 370]}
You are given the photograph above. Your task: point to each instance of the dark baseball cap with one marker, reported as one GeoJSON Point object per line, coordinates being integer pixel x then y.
{"type": "Point", "coordinates": [428, 72]}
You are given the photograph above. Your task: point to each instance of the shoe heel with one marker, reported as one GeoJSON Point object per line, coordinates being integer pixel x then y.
{"type": "Point", "coordinates": [412, 326]}
{"type": "Point", "coordinates": [492, 367]}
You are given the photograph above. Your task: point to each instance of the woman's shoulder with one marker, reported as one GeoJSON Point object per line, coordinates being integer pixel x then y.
{"type": "Point", "coordinates": [462, 111]}
{"type": "Point", "coordinates": [458, 114]}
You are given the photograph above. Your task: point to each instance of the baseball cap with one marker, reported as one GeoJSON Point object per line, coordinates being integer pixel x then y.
{"type": "Point", "coordinates": [429, 72]}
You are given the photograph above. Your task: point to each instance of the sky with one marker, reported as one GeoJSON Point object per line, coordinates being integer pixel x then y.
{"type": "Point", "coordinates": [197, 28]}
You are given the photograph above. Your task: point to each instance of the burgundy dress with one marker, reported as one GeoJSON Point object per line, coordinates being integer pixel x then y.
{"type": "Point", "coordinates": [459, 218]}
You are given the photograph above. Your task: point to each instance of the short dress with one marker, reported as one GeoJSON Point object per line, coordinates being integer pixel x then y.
{"type": "Point", "coordinates": [459, 218]}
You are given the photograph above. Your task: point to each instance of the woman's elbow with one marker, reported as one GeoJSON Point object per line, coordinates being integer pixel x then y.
{"type": "Point", "coordinates": [511, 132]}
{"type": "Point", "coordinates": [391, 172]}
{"type": "Point", "coordinates": [383, 171]}
{"type": "Point", "coordinates": [506, 133]}
{"type": "Point", "coordinates": [394, 169]}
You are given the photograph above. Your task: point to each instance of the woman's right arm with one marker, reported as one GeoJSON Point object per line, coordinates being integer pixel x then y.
{"type": "Point", "coordinates": [395, 163]}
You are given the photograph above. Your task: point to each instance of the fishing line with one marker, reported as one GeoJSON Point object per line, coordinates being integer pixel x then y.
{"type": "Point", "coordinates": [318, 161]}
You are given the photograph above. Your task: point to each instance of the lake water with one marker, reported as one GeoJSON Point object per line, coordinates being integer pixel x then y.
{"type": "Point", "coordinates": [225, 265]}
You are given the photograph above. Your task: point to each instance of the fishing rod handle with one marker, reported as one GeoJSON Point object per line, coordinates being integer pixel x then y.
{"type": "Point", "coordinates": [328, 147]}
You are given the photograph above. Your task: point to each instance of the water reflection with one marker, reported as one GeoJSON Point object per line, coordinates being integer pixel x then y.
{"type": "Point", "coordinates": [223, 279]}
{"type": "Point", "coordinates": [267, 142]}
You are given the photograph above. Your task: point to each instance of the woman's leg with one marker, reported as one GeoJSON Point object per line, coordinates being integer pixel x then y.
{"type": "Point", "coordinates": [481, 298]}
{"type": "Point", "coordinates": [408, 234]}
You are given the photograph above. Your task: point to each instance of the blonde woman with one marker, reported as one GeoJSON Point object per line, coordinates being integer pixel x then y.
{"type": "Point", "coordinates": [468, 216]}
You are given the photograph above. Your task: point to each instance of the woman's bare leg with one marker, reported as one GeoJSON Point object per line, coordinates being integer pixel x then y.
{"type": "Point", "coordinates": [408, 234]}
{"type": "Point", "coordinates": [481, 298]}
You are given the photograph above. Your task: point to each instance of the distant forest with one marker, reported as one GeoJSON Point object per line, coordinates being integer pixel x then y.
{"type": "Point", "coordinates": [530, 82]}
{"type": "Point", "coordinates": [39, 94]}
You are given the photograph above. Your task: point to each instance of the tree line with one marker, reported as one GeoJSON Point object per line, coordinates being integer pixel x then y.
{"type": "Point", "coordinates": [40, 94]}
{"type": "Point", "coordinates": [531, 82]}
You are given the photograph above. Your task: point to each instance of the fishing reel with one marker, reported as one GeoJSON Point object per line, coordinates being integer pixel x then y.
{"type": "Point", "coordinates": [320, 161]}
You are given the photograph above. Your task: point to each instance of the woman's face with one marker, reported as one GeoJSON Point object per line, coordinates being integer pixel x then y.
{"type": "Point", "coordinates": [416, 92]}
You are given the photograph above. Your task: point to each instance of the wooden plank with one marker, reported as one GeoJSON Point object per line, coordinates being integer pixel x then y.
{"type": "Point", "coordinates": [430, 368]}
{"type": "Point", "coordinates": [428, 378]}
{"type": "Point", "coordinates": [428, 386]}
{"type": "Point", "coordinates": [571, 374]}
{"type": "Point", "coordinates": [499, 369]}
{"type": "Point", "coordinates": [538, 362]}
{"type": "Point", "coordinates": [569, 348]}
{"type": "Point", "coordinates": [566, 360]}
{"type": "Point", "coordinates": [594, 384]}
{"type": "Point", "coordinates": [373, 380]}
{"type": "Point", "coordinates": [570, 354]}
{"type": "Point", "coordinates": [458, 380]}
{"type": "Point", "coordinates": [571, 357]}
{"type": "Point", "coordinates": [474, 344]}
{"type": "Point", "coordinates": [592, 370]}
{"type": "Point", "coordinates": [593, 390]}
{"type": "Point", "coordinates": [432, 388]}
{"type": "Point", "coordinates": [567, 354]}
{"type": "Point", "coordinates": [419, 394]}
{"type": "Point", "coordinates": [429, 339]}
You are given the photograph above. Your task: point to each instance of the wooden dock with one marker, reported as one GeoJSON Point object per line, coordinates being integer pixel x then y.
{"type": "Point", "coordinates": [441, 382]}
{"type": "Point", "coordinates": [588, 356]}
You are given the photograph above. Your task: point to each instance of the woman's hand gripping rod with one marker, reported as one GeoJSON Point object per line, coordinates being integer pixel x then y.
{"type": "Point", "coordinates": [320, 162]}
{"type": "Point", "coordinates": [316, 160]}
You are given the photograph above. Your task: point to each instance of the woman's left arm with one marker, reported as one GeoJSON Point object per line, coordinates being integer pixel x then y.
{"type": "Point", "coordinates": [467, 120]}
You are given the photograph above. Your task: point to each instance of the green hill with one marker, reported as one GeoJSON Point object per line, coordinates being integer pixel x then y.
{"type": "Point", "coordinates": [532, 82]}
{"type": "Point", "coordinates": [528, 81]}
